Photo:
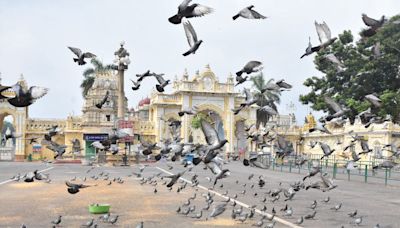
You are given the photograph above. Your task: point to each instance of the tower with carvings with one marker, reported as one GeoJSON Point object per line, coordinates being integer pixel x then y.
{"type": "Point", "coordinates": [309, 122]}
{"type": "Point", "coordinates": [105, 117]}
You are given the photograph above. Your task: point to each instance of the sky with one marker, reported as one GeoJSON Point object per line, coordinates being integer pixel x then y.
{"type": "Point", "coordinates": [34, 36]}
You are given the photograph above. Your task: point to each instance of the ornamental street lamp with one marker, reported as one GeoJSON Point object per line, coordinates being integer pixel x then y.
{"type": "Point", "coordinates": [121, 64]}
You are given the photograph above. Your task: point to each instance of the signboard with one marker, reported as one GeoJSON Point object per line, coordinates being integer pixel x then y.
{"type": "Point", "coordinates": [36, 148]}
{"type": "Point", "coordinates": [95, 137]}
{"type": "Point", "coordinates": [128, 125]}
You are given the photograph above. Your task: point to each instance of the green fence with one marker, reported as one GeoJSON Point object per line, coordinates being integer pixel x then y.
{"type": "Point", "coordinates": [336, 167]}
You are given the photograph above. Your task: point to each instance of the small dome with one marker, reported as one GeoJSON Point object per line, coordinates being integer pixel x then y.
{"type": "Point", "coordinates": [144, 101]}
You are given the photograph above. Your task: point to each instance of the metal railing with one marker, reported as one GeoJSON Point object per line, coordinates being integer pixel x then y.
{"type": "Point", "coordinates": [336, 167]}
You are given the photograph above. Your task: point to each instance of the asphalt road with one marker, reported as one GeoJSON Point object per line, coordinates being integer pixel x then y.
{"type": "Point", "coordinates": [36, 204]}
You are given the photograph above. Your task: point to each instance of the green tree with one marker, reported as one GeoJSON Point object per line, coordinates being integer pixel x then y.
{"type": "Point", "coordinates": [268, 97]}
{"type": "Point", "coordinates": [90, 74]}
{"type": "Point", "coordinates": [362, 73]}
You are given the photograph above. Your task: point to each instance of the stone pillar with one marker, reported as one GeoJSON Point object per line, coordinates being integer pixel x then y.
{"type": "Point", "coordinates": [121, 95]}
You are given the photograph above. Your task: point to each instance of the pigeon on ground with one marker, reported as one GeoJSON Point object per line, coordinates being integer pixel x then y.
{"type": "Point", "coordinates": [217, 210]}
{"type": "Point", "coordinates": [310, 216]}
{"type": "Point", "coordinates": [88, 224]}
{"type": "Point", "coordinates": [57, 221]}
{"type": "Point", "coordinates": [113, 220]}
{"type": "Point", "coordinates": [74, 188]}
{"type": "Point", "coordinates": [188, 11]}
{"type": "Point", "coordinates": [191, 36]}
{"type": "Point", "coordinates": [103, 101]}
{"type": "Point", "coordinates": [140, 225]}
{"type": "Point", "coordinates": [336, 207]}
{"type": "Point", "coordinates": [249, 13]}
{"type": "Point", "coordinates": [352, 214]}
{"type": "Point", "coordinates": [81, 56]}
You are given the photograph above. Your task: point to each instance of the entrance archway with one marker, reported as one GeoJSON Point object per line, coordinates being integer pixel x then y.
{"type": "Point", "coordinates": [7, 128]}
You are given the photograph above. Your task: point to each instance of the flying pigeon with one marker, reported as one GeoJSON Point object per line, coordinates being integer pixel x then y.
{"type": "Point", "coordinates": [338, 110]}
{"type": "Point", "coordinates": [81, 56]}
{"type": "Point", "coordinates": [25, 97]}
{"type": "Point", "coordinates": [188, 11]}
{"type": "Point", "coordinates": [191, 38]}
{"type": "Point", "coordinates": [188, 111]}
{"type": "Point", "coordinates": [250, 67]}
{"type": "Point", "coordinates": [249, 13]}
{"type": "Point", "coordinates": [136, 85]}
{"type": "Point", "coordinates": [325, 39]}
{"type": "Point", "coordinates": [162, 82]}
{"type": "Point", "coordinates": [103, 101]}
{"type": "Point", "coordinates": [326, 149]}
{"type": "Point", "coordinates": [144, 75]}
{"type": "Point", "coordinates": [373, 25]}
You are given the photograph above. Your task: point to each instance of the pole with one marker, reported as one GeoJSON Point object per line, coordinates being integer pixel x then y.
{"type": "Point", "coordinates": [121, 94]}
{"type": "Point", "coordinates": [366, 173]}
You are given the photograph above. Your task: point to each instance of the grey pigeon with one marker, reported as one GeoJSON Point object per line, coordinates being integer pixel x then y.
{"type": "Point", "coordinates": [326, 149]}
{"type": "Point", "coordinates": [25, 97]}
{"type": "Point", "coordinates": [57, 221]}
{"type": "Point", "coordinates": [188, 11]}
{"type": "Point", "coordinates": [338, 110]}
{"type": "Point", "coordinates": [81, 55]}
{"type": "Point", "coordinates": [103, 101]}
{"type": "Point", "coordinates": [140, 225]}
{"type": "Point", "coordinates": [249, 13]}
{"type": "Point", "coordinates": [373, 25]}
{"type": "Point", "coordinates": [162, 82]}
{"type": "Point", "coordinates": [74, 188]}
{"type": "Point", "coordinates": [136, 85]}
{"type": "Point", "coordinates": [217, 210]}
{"type": "Point", "coordinates": [325, 38]}
{"type": "Point", "coordinates": [88, 224]}
{"type": "Point", "coordinates": [174, 178]}
{"type": "Point", "coordinates": [191, 36]}
{"type": "Point", "coordinates": [250, 67]}
{"type": "Point", "coordinates": [144, 75]}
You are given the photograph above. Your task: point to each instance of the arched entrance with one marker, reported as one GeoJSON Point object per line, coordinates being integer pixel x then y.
{"type": "Point", "coordinates": [7, 145]}
{"type": "Point", "coordinates": [12, 120]}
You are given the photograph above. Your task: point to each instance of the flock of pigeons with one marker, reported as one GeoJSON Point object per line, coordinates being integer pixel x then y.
{"type": "Point", "coordinates": [209, 154]}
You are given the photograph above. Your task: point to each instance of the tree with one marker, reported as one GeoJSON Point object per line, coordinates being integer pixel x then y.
{"type": "Point", "coordinates": [270, 98]}
{"type": "Point", "coordinates": [362, 72]}
{"type": "Point", "coordinates": [90, 74]}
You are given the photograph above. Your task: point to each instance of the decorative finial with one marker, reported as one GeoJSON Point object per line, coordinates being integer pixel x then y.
{"type": "Point", "coordinates": [208, 67]}
{"type": "Point", "coordinates": [122, 43]}
{"type": "Point", "coordinates": [21, 77]}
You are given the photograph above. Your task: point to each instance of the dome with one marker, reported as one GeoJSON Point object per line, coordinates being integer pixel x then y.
{"type": "Point", "coordinates": [144, 101]}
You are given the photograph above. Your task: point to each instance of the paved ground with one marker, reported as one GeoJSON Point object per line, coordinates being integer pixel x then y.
{"type": "Point", "coordinates": [36, 204]}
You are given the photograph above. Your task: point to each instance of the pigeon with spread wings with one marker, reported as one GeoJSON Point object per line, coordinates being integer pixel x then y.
{"type": "Point", "coordinates": [188, 11]}
{"type": "Point", "coordinates": [325, 39]}
{"type": "Point", "coordinates": [103, 101]}
{"type": "Point", "coordinates": [191, 36]}
{"type": "Point", "coordinates": [161, 82]}
{"type": "Point", "coordinates": [25, 97]}
{"type": "Point", "coordinates": [81, 55]}
{"type": "Point", "coordinates": [249, 13]}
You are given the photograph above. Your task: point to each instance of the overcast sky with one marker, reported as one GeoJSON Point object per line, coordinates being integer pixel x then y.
{"type": "Point", "coordinates": [34, 36]}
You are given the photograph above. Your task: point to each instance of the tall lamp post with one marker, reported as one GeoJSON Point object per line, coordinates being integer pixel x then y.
{"type": "Point", "coordinates": [121, 64]}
